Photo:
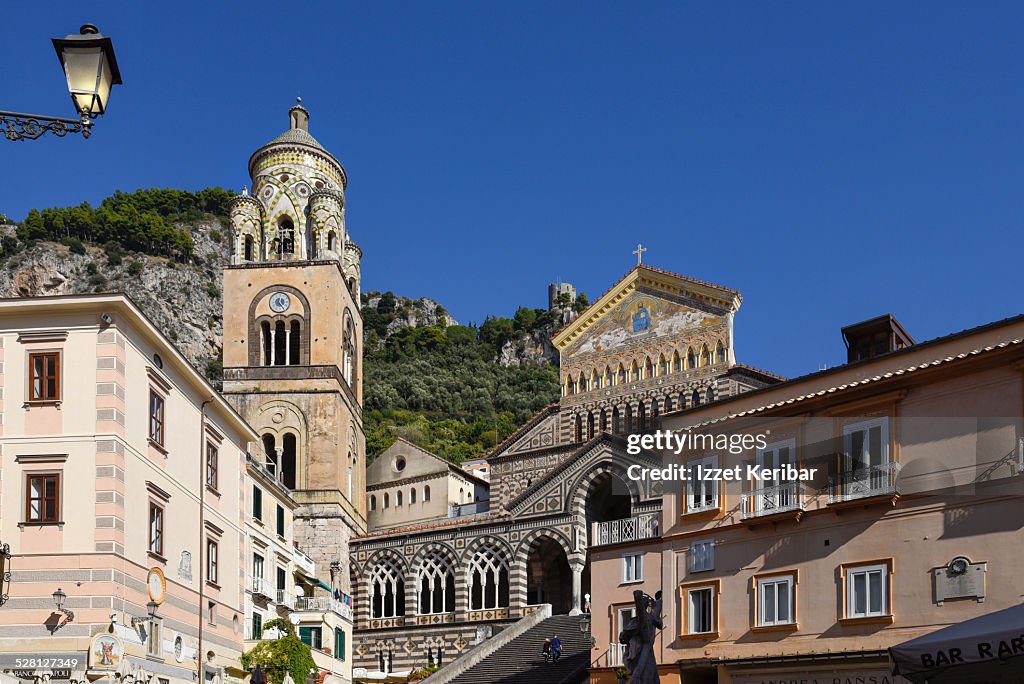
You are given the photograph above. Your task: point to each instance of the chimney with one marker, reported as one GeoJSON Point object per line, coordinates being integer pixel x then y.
{"type": "Point", "coordinates": [874, 337]}
{"type": "Point", "coordinates": [299, 116]}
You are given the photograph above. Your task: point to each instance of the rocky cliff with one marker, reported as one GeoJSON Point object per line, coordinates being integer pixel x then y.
{"type": "Point", "coordinates": [183, 300]}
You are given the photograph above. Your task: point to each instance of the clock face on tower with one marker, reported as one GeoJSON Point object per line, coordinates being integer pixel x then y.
{"type": "Point", "coordinates": [280, 302]}
{"type": "Point", "coordinates": [157, 585]}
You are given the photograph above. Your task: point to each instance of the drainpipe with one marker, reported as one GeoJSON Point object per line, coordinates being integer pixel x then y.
{"type": "Point", "coordinates": [202, 534]}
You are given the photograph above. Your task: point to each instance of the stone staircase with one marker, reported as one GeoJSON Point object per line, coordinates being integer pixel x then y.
{"type": "Point", "coordinates": [520, 661]}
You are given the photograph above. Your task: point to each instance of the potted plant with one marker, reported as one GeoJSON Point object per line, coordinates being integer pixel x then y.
{"type": "Point", "coordinates": [622, 675]}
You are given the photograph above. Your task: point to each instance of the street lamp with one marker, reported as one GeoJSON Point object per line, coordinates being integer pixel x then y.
{"type": "Point", "coordinates": [91, 69]}
{"type": "Point", "coordinates": [59, 597]}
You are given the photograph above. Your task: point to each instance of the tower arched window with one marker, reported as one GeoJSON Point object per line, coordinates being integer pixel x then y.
{"type": "Point", "coordinates": [677, 362]}
{"type": "Point", "coordinates": [488, 579]}
{"type": "Point", "coordinates": [578, 429]}
{"type": "Point", "coordinates": [691, 359]}
{"type": "Point", "coordinates": [286, 229]}
{"type": "Point", "coordinates": [289, 461]}
{"type": "Point", "coordinates": [705, 357]}
{"type": "Point", "coordinates": [387, 500]}
{"type": "Point", "coordinates": [720, 353]}
{"type": "Point", "coordinates": [436, 584]}
{"type": "Point", "coordinates": [387, 590]}
{"type": "Point", "coordinates": [280, 339]}
{"type": "Point", "coordinates": [249, 248]}
{"type": "Point", "coordinates": [332, 240]}
{"type": "Point", "coordinates": [272, 458]}
{"type": "Point", "coordinates": [426, 493]}
{"type": "Point", "coordinates": [590, 424]}
{"type": "Point", "coordinates": [616, 421]}
{"type": "Point", "coordinates": [711, 394]}
{"type": "Point", "coordinates": [373, 502]}
{"type": "Point", "coordinates": [266, 340]}
{"type": "Point", "coordinates": [604, 420]}
{"type": "Point", "coordinates": [696, 398]}
{"type": "Point", "coordinates": [348, 352]}
{"type": "Point", "coordinates": [398, 498]}
{"type": "Point", "coordinates": [295, 343]}
{"type": "Point", "coordinates": [412, 495]}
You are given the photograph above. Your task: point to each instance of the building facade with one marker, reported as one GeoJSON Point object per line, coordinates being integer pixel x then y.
{"type": "Point", "coordinates": [906, 519]}
{"type": "Point", "coordinates": [557, 487]}
{"type": "Point", "coordinates": [122, 474]}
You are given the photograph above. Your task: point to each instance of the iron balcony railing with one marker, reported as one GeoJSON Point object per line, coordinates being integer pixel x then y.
{"type": "Point", "coordinates": [635, 528]}
{"type": "Point", "coordinates": [322, 604]}
{"type": "Point", "coordinates": [616, 655]}
{"type": "Point", "coordinates": [260, 585]}
{"type": "Point", "coordinates": [865, 482]}
{"type": "Point", "coordinates": [285, 598]}
{"type": "Point", "coordinates": [788, 496]}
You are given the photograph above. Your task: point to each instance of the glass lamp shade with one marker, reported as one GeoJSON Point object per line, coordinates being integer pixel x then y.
{"type": "Point", "coordinates": [91, 69]}
{"type": "Point", "coordinates": [58, 598]}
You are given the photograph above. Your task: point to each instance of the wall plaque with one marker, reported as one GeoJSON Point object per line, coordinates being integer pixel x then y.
{"type": "Point", "coordinates": [960, 579]}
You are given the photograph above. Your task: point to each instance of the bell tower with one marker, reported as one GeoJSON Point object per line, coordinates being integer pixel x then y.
{"type": "Point", "coordinates": [293, 336]}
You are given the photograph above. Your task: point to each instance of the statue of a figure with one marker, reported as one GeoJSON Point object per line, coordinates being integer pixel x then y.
{"type": "Point", "coordinates": [639, 638]}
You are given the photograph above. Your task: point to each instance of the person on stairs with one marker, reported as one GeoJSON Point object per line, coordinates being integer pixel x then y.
{"type": "Point", "coordinates": [556, 648]}
{"type": "Point", "coordinates": [546, 650]}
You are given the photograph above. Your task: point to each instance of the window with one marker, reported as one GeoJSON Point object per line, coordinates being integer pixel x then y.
{"type": "Point", "coordinates": [339, 643]}
{"type": "Point", "coordinates": [437, 585]}
{"type": "Point", "coordinates": [257, 627]}
{"type": "Point", "coordinates": [412, 495]}
{"type": "Point", "coordinates": [373, 502]}
{"type": "Point", "coordinates": [42, 498]}
{"type": "Point", "coordinates": [387, 500]}
{"type": "Point", "coordinates": [257, 566]}
{"type": "Point", "coordinates": [257, 503]}
{"type": "Point", "coordinates": [398, 498]}
{"type": "Point", "coordinates": [154, 638]}
{"type": "Point", "coordinates": [700, 610]}
{"type": "Point", "coordinates": [282, 579]}
{"type": "Point", "coordinates": [775, 600]}
{"type": "Point", "coordinates": [632, 567]}
{"type": "Point", "coordinates": [280, 520]}
{"type": "Point", "coordinates": [387, 590]}
{"type": "Point", "coordinates": [488, 579]}
{"type": "Point", "coordinates": [312, 637]}
{"type": "Point", "coordinates": [702, 490]}
{"type": "Point", "coordinates": [702, 556]}
{"type": "Point", "coordinates": [624, 615]}
{"type": "Point", "coordinates": [866, 445]}
{"type": "Point", "coordinates": [156, 529]}
{"type": "Point", "coordinates": [156, 417]}
{"type": "Point", "coordinates": [211, 466]}
{"type": "Point", "coordinates": [211, 612]}
{"type": "Point", "coordinates": [44, 376]}
{"type": "Point", "coordinates": [867, 590]}
{"type": "Point", "coordinates": [248, 247]}
{"type": "Point", "coordinates": [211, 562]}
{"type": "Point", "coordinates": [426, 493]}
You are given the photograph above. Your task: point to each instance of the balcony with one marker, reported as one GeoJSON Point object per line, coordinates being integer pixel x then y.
{"type": "Point", "coordinates": [322, 604]}
{"type": "Point", "coordinates": [643, 526]}
{"type": "Point", "coordinates": [865, 483]}
{"type": "Point", "coordinates": [769, 501]}
{"type": "Point", "coordinates": [260, 586]}
{"type": "Point", "coordinates": [303, 562]}
{"type": "Point", "coordinates": [285, 599]}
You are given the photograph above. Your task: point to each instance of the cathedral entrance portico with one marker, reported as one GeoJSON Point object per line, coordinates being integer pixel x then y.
{"type": "Point", "coordinates": [549, 577]}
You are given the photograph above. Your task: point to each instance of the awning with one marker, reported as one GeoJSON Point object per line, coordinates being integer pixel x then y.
{"type": "Point", "coordinates": [315, 582]}
{"type": "Point", "coordinates": [985, 649]}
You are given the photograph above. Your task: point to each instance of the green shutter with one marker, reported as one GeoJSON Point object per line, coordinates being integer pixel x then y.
{"type": "Point", "coordinates": [257, 503]}
{"type": "Point", "coordinates": [339, 644]}
{"type": "Point", "coordinates": [280, 520]}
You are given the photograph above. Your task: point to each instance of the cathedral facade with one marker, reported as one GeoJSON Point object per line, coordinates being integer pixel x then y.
{"type": "Point", "coordinates": [654, 343]}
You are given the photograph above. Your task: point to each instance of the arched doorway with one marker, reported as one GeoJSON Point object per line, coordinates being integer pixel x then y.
{"type": "Point", "coordinates": [608, 499]}
{"type": "Point", "coordinates": [548, 577]}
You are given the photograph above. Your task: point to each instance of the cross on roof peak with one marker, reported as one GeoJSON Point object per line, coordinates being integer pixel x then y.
{"type": "Point", "coordinates": [639, 251]}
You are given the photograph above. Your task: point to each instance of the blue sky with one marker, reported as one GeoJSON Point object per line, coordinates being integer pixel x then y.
{"type": "Point", "coordinates": [832, 161]}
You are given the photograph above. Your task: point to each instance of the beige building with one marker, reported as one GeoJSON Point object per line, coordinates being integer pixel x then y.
{"type": "Point", "coordinates": [908, 519]}
{"type": "Point", "coordinates": [409, 485]}
{"type": "Point", "coordinates": [122, 474]}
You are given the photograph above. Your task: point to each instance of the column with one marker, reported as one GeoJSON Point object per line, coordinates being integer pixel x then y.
{"type": "Point", "coordinates": [273, 345]}
{"type": "Point", "coordinates": [577, 587]}
{"type": "Point", "coordinates": [287, 345]}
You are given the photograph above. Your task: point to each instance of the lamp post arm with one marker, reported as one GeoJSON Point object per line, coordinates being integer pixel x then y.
{"type": "Point", "coordinates": [21, 126]}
